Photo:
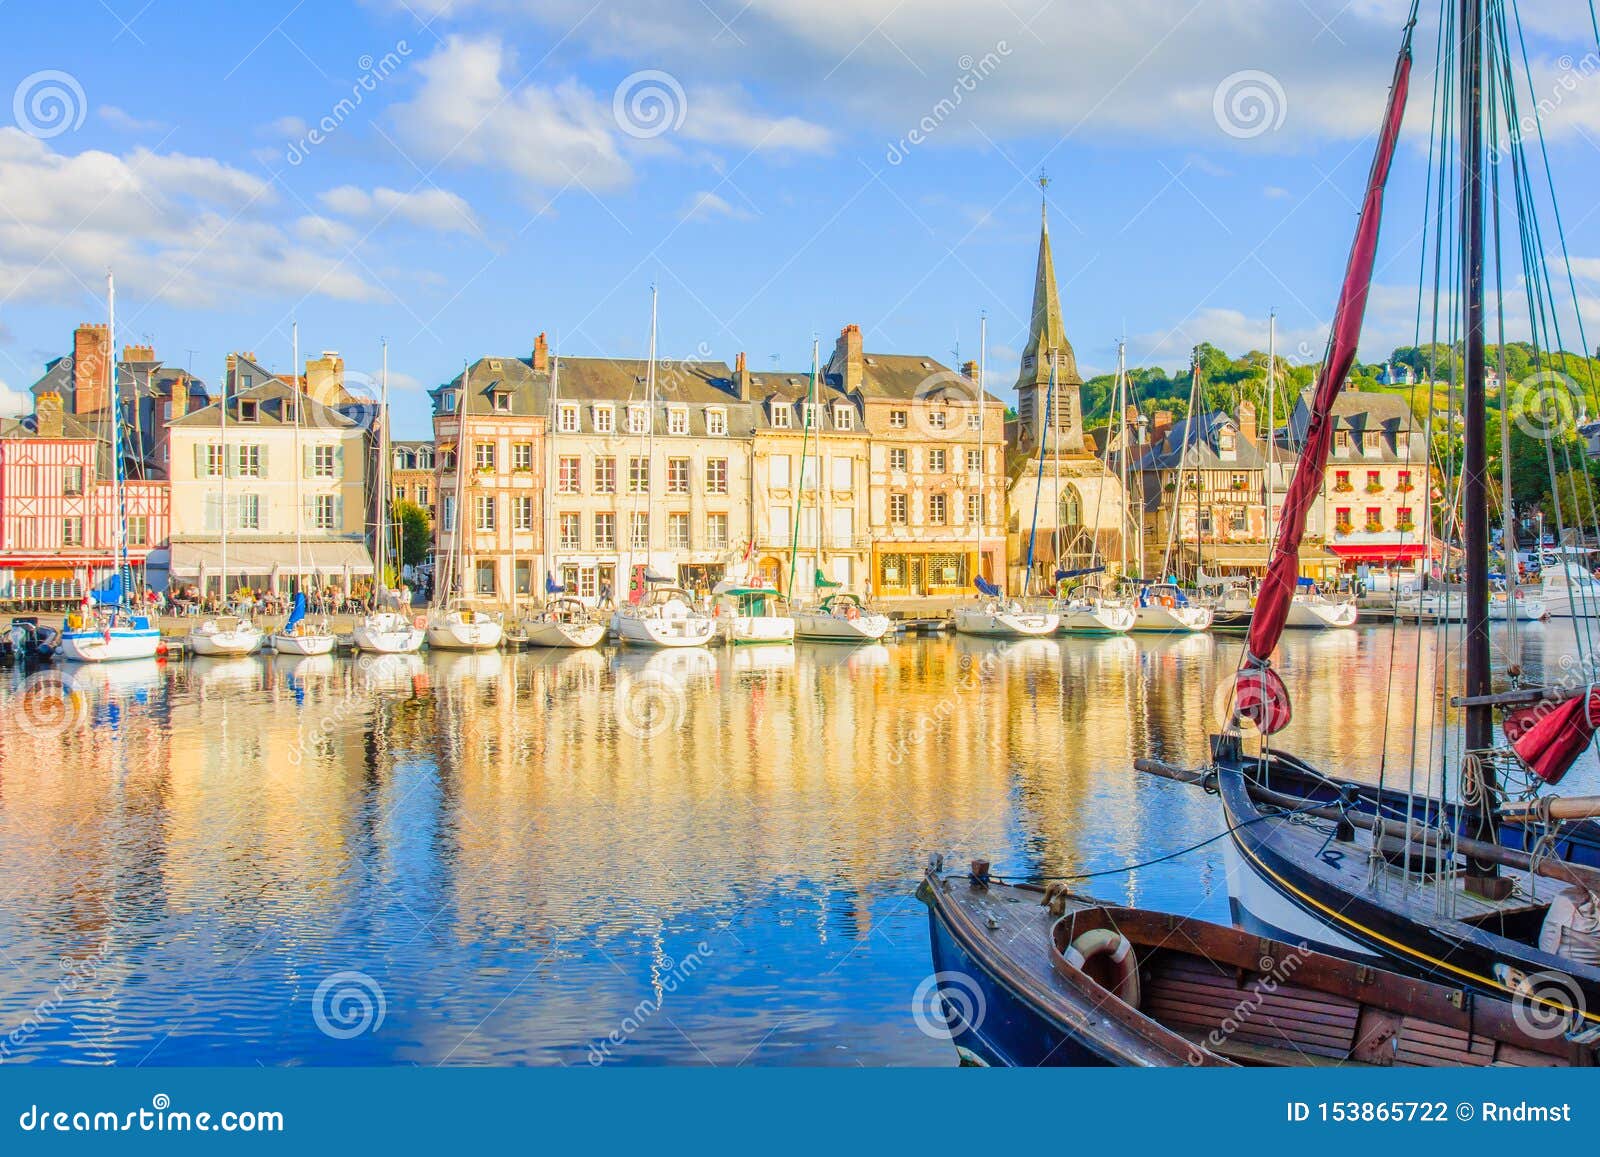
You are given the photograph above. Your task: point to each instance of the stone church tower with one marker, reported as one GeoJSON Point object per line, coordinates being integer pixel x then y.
{"type": "Point", "coordinates": [1047, 346]}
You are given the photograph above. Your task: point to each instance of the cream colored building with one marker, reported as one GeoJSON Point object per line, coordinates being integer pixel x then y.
{"type": "Point", "coordinates": [284, 475]}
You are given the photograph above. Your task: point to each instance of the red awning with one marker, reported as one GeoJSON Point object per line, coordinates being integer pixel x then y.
{"type": "Point", "coordinates": [1383, 552]}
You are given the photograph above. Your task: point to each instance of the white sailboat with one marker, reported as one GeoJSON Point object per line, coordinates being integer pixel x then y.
{"type": "Point", "coordinates": [1088, 611]}
{"type": "Point", "coordinates": [453, 624]}
{"type": "Point", "coordinates": [840, 618]}
{"type": "Point", "coordinates": [227, 635]}
{"type": "Point", "coordinates": [299, 635]}
{"type": "Point", "coordinates": [1163, 608]}
{"type": "Point", "coordinates": [105, 629]}
{"type": "Point", "coordinates": [665, 615]}
{"type": "Point", "coordinates": [386, 632]}
{"type": "Point", "coordinates": [751, 612]}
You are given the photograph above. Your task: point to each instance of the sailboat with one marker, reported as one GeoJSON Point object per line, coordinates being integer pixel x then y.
{"type": "Point", "coordinates": [1394, 876]}
{"type": "Point", "coordinates": [105, 629]}
{"type": "Point", "coordinates": [298, 635]}
{"type": "Point", "coordinates": [1089, 610]}
{"type": "Point", "coordinates": [224, 635]}
{"type": "Point", "coordinates": [386, 632]}
{"type": "Point", "coordinates": [994, 615]}
{"type": "Point", "coordinates": [665, 615]}
{"type": "Point", "coordinates": [453, 624]}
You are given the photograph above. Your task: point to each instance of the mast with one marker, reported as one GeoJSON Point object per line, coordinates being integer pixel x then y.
{"type": "Point", "coordinates": [1121, 394]}
{"type": "Point", "coordinates": [552, 459]}
{"type": "Point", "coordinates": [983, 459]}
{"type": "Point", "coordinates": [222, 434]}
{"type": "Point", "coordinates": [1474, 490]}
{"type": "Point", "coordinates": [800, 489]}
{"type": "Point", "coordinates": [385, 507]}
{"type": "Point", "coordinates": [119, 487]}
{"type": "Point", "coordinates": [299, 465]}
{"type": "Point", "coordinates": [453, 558]}
{"type": "Point", "coordinates": [1271, 443]}
{"type": "Point", "coordinates": [650, 430]}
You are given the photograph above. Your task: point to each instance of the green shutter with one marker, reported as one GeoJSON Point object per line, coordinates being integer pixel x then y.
{"type": "Point", "coordinates": [261, 460]}
{"type": "Point", "coordinates": [338, 461]}
{"type": "Point", "coordinates": [338, 513]}
{"type": "Point", "coordinates": [308, 463]}
{"type": "Point", "coordinates": [199, 459]}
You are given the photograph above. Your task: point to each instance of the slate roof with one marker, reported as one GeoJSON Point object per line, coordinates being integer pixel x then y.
{"type": "Point", "coordinates": [269, 397]}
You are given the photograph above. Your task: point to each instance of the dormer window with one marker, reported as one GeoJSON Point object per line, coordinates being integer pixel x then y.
{"type": "Point", "coordinates": [567, 418]}
{"type": "Point", "coordinates": [495, 365]}
{"type": "Point", "coordinates": [897, 419]}
{"type": "Point", "coordinates": [605, 419]}
{"type": "Point", "coordinates": [502, 402]}
{"type": "Point", "coordinates": [1369, 442]}
{"type": "Point", "coordinates": [447, 401]}
{"type": "Point", "coordinates": [1402, 443]}
{"type": "Point", "coordinates": [844, 418]}
{"type": "Point", "coordinates": [249, 410]}
{"type": "Point", "coordinates": [716, 421]}
{"type": "Point", "coordinates": [289, 409]}
{"type": "Point", "coordinates": [638, 419]}
{"type": "Point", "coordinates": [780, 417]}
{"type": "Point", "coordinates": [813, 415]}
{"type": "Point", "coordinates": [677, 420]}
{"type": "Point", "coordinates": [1341, 441]}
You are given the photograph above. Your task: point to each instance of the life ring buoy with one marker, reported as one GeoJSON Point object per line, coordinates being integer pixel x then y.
{"type": "Point", "coordinates": [1166, 601]}
{"type": "Point", "coordinates": [1108, 959]}
{"type": "Point", "coordinates": [852, 613]}
{"type": "Point", "coordinates": [419, 622]}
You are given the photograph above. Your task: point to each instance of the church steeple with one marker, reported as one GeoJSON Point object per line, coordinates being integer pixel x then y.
{"type": "Point", "coordinates": [1047, 341]}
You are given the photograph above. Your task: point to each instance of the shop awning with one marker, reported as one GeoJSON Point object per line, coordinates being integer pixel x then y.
{"type": "Point", "coordinates": [1214, 554]}
{"type": "Point", "coordinates": [190, 559]}
{"type": "Point", "coordinates": [1381, 552]}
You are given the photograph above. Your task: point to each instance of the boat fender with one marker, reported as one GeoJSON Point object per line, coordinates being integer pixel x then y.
{"type": "Point", "coordinates": [419, 621]}
{"type": "Point", "coordinates": [1571, 927]}
{"type": "Point", "coordinates": [1120, 962]}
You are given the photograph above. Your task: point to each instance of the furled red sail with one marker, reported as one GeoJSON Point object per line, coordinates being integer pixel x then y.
{"type": "Point", "coordinates": [1259, 695]}
{"type": "Point", "coordinates": [1549, 737]}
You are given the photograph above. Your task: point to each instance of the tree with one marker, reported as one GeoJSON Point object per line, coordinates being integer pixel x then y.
{"type": "Point", "coordinates": [416, 532]}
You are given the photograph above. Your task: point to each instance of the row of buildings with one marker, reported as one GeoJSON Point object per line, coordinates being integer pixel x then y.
{"type": "Point", "coordinates": [891, 474]}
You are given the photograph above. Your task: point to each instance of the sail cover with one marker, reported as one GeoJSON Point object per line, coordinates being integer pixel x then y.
{"type": "Point", "coordinates": [297, 612]}
{"type": "Point", "coordinates": [987, 587]}
{"type": "Point", "coordinates": [1549, 737]}
{"type": "Point", "coordinates": [109, 594]}
{"type": "Point", "coordinates": [1259, 695]}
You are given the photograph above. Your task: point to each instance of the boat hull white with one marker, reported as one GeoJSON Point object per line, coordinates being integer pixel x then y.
{"type": "Point", "coordinates": [481, 634]}
{"type": "Point", "coordinates": [1006, 624]}
{"type": "Point", "coordinates": [1096, 619]}
{"type": "Point", "coordinates": [1320, 616]}
{"type": "Point", "coordinates": [745, 630]}
{"type": "Point", "coordinates": [1172, 620]}
{"type": "Point", "coordinates": [311, 643]}
{"type": "Point", "coordinates": [234, 641]}
{"type": "Point", "coordinates": [687, 631]}
{"type": "Point", "coordinates": [555, 634]}
{"type": "Point", "coordinates": [88, 646]}
{"type": "Point", "coordinates": [387, 634]}
{"type": "Point", "coordinates": [818, 627]}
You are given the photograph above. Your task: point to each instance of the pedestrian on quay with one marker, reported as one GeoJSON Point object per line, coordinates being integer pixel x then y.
{"type": "Point", "coordinates": [606, 602]}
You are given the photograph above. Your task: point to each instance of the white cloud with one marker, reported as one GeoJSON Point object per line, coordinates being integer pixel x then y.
{"type": "Point", "coordinates": [288, 126]}
{"type": "Point", "coordinates": [14, 403]}
{"type": "Point", "coordinates": [318, 230]}
{"type": "Point", "coordinates": [185, 230]}
{"type": "Point", "coordinates": [721, 116]}
{"type": "Point", "coordinates": [119, 119]}
{"type": "Point", "coordinates": [706, 205]}
{"type": "Point", "coordinates": [430, 208]}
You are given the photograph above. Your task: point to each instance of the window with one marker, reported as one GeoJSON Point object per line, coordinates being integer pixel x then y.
{"type": "Point", "coordinates": [716, 532]}
{"type": "Point", "coordinates": [778, 524]}
{"type": "Point", "coordinates": [485, 512]}
{"type": "Point", "coordinates": [974, 509]}
{"type": "Point", "coordinates": [844, 472]}
{"type": "Point", "coordinates": [936, 509]}
{"type": "Point", "coordinates": [1374, 519]}
{"type": "Point", "coordinates": [1239, 480]}
{"type": "Point", "coordinates": [447, 401]}
{"type": "Point", "coordinates": [1369, 441]}
{"type": "Point", "coordinates": [937, 420]}
{"type": "Point", "coordinates": [638, 476]}
{"type": "Point", "coordinates": [780, 417]}
{"type": "Point", "coordinates": [1341, 520]}
{"type": "Point", "coordinates": [569, 531]}
{"type": "Point", "coordinates": [897, 459]}
{"type": "Point", "coordinates": [522, 455]}
{"type": "Point", "coordinates": [249, 512]}
{"type": "Point", "coordinates": [974, 461]}
{"type": "Point", "coordinates": [1239, 521]}
{"type": "Point", "coordinates": [812, 413]}
{"type": "Point", "coordinates": [1374, 481]}
{"type": "Point", "coordinates": [778, 471]}
{"type": "Point", "coordinates": [486, 569]}
{"type": "Point", "coordinates": [716, 476]}
{"type": "Point", "coordinates": [501, 402]}
{"type": "Point", "coordinates": [250, 460]}
{"type": "Point", "coordinates": [323, 461]}
{"type": "Point", "coordinates": [72, 480]}
{"type": "Point", "coordinates": [678, 531]}
{"type": "Point", "coordinates": [249, 408]}
{"type": "Point", "coordinates": [138, 530]}
{"type": "Point", "coordinates": [844, 418]}
{"type": "Point", "coordinates": [522, 576]}
{"type": "Point", "coordinates": [1207, 525]}
{"type": "Point", "coordinates": [897, 509]}
{"type": "Point", "coordinates": [1341, 441]}
{"type": "Point", "coordinates": [605, 419]}
{"type": "Point", "coordinates": [322, 512]}
{"type": "Point", "coordinates": [449, 512]}
{"type": "Point", "coordinates": [716, 421]}
{"type": "Point", "coordinates": [569, 475]}
{"type": "Point", "coordinates": [1405, 519]}
{"type": "Point", "coordinates": [605, 475]}
{"type": "Point", "coordinates": [1403, 481]}
{"type": "Point", "coordinates": [638, 419]}
{"type": "Point", "coordinates": [215, 461]}
{"type": "Point", "coordinates": [639, 530]}
{"type": "Point", "coordinates": [72, 531]}
{"type": "Point", "coordinates": [422, 496]}
{"type": "Point", "coordinates": [1341, 480]}
{"type": "Point", "coordinates": [522, 512]}
{"type": "Point", "coordinates": [483, 455]}
{"type": "Point", "coordinates": [605, 531]}
{"type": "Point", "coordinates": [677, 420]}
{"type": "Point", "coordinates": [844, 526]}
{"type": "Point", "coordinates": [447, 460]}
{"type": "Point", "coordinates": [936, 461]}
{"type": "Point", "coordinates": [808, 472]}
{"type": "Point", "coordinates": [897, 419]}
{"type": "Point", "coordinates": [1402, 443]}
{"type": "Point", "coordinates": [975, 421]}
{"type": "Point", "coordinates": [677, 475]}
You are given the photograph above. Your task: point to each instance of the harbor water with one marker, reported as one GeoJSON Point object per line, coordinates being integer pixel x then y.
{"type": "Point", "coordinates": [608, 857]}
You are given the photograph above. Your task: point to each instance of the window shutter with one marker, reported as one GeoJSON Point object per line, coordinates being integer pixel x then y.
{"type": "Point", "coordinates": [213, 503]}
{"type": "Point", "coordinates": [338, 461]}
{"type": "Point", "coordinates": [338, 513]}
{"type": "Point", "coordinates": [309, 460]}
{"type": "Point", "coordinates": [199, 459]}
{"type": "Point", "coordinates": [261, 460]}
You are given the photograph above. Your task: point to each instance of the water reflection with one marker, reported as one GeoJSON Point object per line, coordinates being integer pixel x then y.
{"type": "Point", "coordinates": [520, 848]}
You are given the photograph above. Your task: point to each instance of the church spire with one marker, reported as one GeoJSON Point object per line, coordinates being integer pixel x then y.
{"type": "Point", "coordinates": [1047, 341]}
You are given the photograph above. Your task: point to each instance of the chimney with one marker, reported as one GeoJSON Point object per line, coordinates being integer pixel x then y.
{"type": "Point", "coordinates": [324, 378]}
{"type": "Point", "coordinates": [969, 370]}
{"type": "Point", "coordinates": [91, 350]}
{"type": "Point", "coordinates": [180, 396]}
{"type": "Point", "coordinates": [47, 411]}
{"type": "Point", "coordinates": [541, 355]}
{"type": "Point", "coordinates": [852, 362]}
{"type": "Point", "coordinates": [741, 377]}
{"type": "Point", "coordinates": [1162, 423]}
{"type": "Point", "coordinates": [1247, 420]}
{"type": "Point", "coordinates": [138, 353]}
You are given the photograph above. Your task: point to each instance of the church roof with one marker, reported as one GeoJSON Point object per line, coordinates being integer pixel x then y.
{"type": "Point", "coordinates": [1046, 333]}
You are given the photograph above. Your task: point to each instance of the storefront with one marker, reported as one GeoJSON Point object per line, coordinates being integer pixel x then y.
{"type": "Point", "coordinates": [918, 572]}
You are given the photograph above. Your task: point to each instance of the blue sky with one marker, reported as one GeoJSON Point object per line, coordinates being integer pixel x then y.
{"type": "Point", "coordinates": [496, 176]}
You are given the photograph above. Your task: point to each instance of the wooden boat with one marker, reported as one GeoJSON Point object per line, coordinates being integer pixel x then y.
{"type": "Point", "coordinates": [1029, 976]}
